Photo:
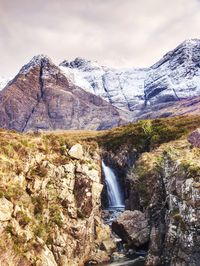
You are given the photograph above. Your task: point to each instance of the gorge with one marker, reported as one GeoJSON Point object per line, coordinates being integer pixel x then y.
{"type": "Point", "coordinates": [51, 194]}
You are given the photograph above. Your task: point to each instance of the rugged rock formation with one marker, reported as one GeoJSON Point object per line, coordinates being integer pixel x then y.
{"type": "Point", "coordinates": [167, 183]}
{"type": "Point", "coordinates": [194, 138]}
{"type": "Point", "coordinates": [50, 193]}
{"type": "Point", "coordinates": [132, 227]}
{"type": "Point", "coordinates": [161, 180]}
{"type": "Point", "coordinates": [41, 97]}
{"type": "Point", "coordinates": [50, 202]}
{"type": "Point", "coordinates": [175, 77]}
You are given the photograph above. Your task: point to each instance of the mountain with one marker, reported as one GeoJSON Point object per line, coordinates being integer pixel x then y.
{"type": "Point", "coordinates": [175, 77]}
{"type": "Point", "coordinates": [84, 95]}
{"type": "Point", "coordinates": [41, 97]}
{"type": "Point", "coordinates": [123, 88]}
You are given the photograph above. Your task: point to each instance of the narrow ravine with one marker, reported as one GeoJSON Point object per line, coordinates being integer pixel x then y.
{"type": "Point", "coordinates": [116, 206]}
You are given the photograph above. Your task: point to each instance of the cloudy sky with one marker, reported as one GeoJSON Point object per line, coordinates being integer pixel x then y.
{"type": "Point", "coordinates": [113, 32]}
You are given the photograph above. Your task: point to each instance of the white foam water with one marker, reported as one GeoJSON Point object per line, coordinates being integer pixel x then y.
{"type": "Point", "coordinates": [115, 197]}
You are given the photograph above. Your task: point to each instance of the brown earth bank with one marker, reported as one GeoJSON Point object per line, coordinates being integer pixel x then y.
{"type": "Point", "coordinates": [51, 185]}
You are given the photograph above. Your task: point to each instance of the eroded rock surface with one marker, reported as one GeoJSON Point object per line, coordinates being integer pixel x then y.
{"type": "Point", "coordinates": [194, 138]}
{"type": "Point", "coordinates": [50, 202]}
{"type": "Point", "coordinates": [167, 183]}
{"type": "Point", "coordinates": [132, 227]}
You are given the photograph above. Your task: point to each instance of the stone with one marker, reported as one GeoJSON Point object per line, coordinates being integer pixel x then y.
{"type": "Point", "coordinates": [47, 257]}
{"type": "Point", "coordinates": [109, 245]}
{"type": "Point", "coordinates": [102, 233]}
{"type": "Point", "coordinates": [132, 227]}
{"type": "Point", "coordinates": [6, 209]}
{"type": "Point", "coordinates": [76, 151]}
{"type": "Point", "coordinates": [194, 138]}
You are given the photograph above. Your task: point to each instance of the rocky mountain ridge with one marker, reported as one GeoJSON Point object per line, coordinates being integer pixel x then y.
{"type": "Point", "coordinates": [41, 97]}
{"type": "Point", "coordinates": [84, 95]}
{"type": "Point", "coordinates": [175, 77]}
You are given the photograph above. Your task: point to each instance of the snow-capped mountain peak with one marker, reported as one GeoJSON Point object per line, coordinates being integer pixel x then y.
{"type": "Point", "coordinates": [174, 77]}
{"type": "Point", "coordinates": [35, 61]}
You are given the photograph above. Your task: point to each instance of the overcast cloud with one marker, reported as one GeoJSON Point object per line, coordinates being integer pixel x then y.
{"type": "Point", "coordinates": [113, 32]}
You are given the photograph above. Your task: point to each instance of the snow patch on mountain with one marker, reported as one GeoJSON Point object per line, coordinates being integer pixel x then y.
{"type": "Point", "coordinates": [123, 88]}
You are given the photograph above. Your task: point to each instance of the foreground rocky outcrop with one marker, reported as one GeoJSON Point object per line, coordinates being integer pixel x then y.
{"type": "Point", "coordinates": [166, 182]}
{"type": "Point", "coordinates": [40, 97]}
{"type": "Point", "coordinates": [50, 194]}
{"type": "Point", "coordinates": [50, 191]}
{"type": "Point", "coordinates": [159, 169]}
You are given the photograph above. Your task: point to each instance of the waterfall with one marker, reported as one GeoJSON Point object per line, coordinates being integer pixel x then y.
{"type": "Point", "coordinates": [115, 197]}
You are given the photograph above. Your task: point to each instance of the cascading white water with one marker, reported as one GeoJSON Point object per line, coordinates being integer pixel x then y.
{"type": "Point", "coordinates": [115, 197]}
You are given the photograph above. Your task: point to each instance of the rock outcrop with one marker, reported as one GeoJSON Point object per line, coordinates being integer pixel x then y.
{"type": "Point", "coordinates": [159, 170]}
{"type": "Point", "coordinates": [132, 227]}
{"type": "Point", "coordinates": [194, 138]}
{"type": "Point", "coordinates": [40, 97]}
{"type": "Point", "coordinates": [50, 201]}
{"type": "Point", "coordinates": [167, 183]}
{"type": "Point", "coordinates": [50, 194]}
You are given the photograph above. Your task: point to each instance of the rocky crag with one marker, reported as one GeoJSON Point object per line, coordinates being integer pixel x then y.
{"type": "Point", "coordinates": [50, 189]}
{"type": "Point", "coordinates": [160, 170]}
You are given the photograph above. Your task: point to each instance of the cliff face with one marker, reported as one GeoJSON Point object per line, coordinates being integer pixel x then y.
{"type": "Point", "coordinates": [160, 173]}
{"type": "Point", "coordinates": [41, 97]}
{"type": "Point", "coordinates": [167, 185]}
{"type": "Point", "coordinates": [50, 190]}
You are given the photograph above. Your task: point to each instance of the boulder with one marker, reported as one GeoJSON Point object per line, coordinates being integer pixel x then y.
{"type": "Point", "coordinates": [76, 151]}
{"type": "Point", "coordinates": [132, 227]}
{"type": "Point", "coordinates": [194, 138]}
{"type": "Point", "coordinates": [6, 209]}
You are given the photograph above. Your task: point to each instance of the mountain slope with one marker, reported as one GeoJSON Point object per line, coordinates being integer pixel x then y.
{"type": "Point", "coordinates": [41, 97]}
{"type": "Point", "coordinates": [175, 77]}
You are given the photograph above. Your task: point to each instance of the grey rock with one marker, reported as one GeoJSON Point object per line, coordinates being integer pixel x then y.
{"type": "Point", "coordinates": [194, 138]}
{"type": "Point", "coordinates": [132, 227]}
